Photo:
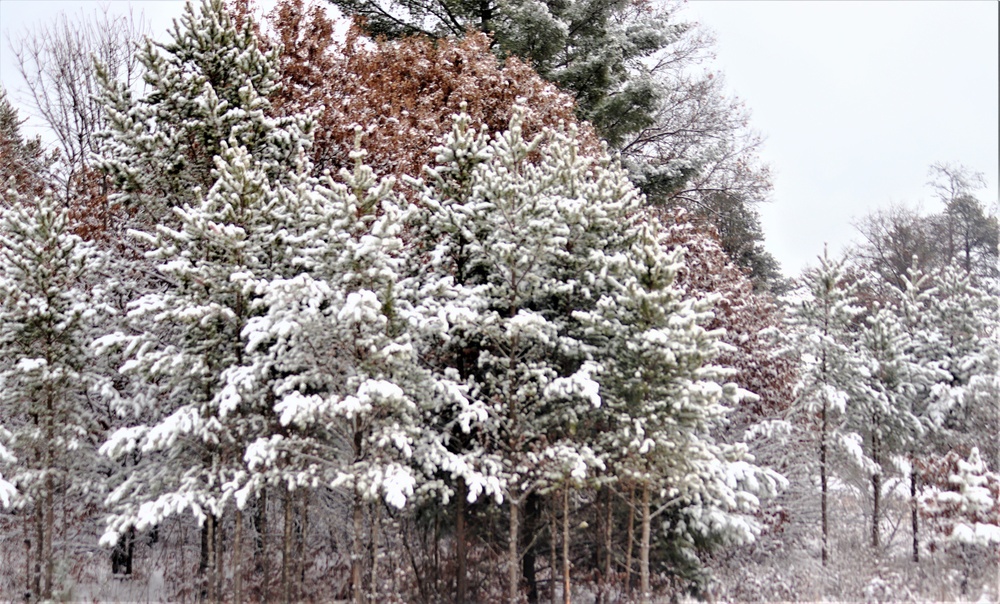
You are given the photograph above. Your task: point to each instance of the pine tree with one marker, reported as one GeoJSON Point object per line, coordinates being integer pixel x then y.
{"type": "Point", "coordinates": [22, 161]}
{"type": "Point", "coordinates": [822, 317]}
{"type": "Point", "coordinates": [207, 87]}
{"type": "Point", "coordinates": [49, 429]}
{"type": "Point", "coordinates": [883, 409]}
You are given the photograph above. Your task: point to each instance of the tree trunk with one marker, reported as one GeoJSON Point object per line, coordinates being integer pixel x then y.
{"type": "Point", "coordinates": [238, 558]}
{"type": "Point", "coordinates": [644, 548]}
{"type": "Point", "coordinates": [303, 559]}
{"type": "Point", "coordinates": [261, 561]}
{"type": "Point", "coordinates": [286, 551]}
{"type": "Point", "coordinates": [512, 555]}
{"type": "Point", "coordinates": [532, 511]}
{"type": "Point", "coordinates": [553, 559]}
{"type": "Point", "coordinates": [913, 511]}
{"type": "Point", "coordinates": [357, 552]}
{"type": "Point", "coordinates": [876, 508]}
{"type": "Point", "coordinates": [50, 512]}
{"type": "Point", "coordinates": [220, 576]}
{"type": "Point", "coordinates": [39, 539]}
{"type": "Point", "coordinates": [565, 546]}
{"type": "Point", "coordinates": [208, 546]}
{"type": "Point", "coordinates": [605, 595]}
{"type": "Point", "coordinates": [823, 487]}
{"type": "Point", "coordinates": [631, 540]}
{"type": "Point", "coordinates": [376, 517]}
{"type": "Point", "coordinates": [461, 585]}
{"type": "Point", "coordinates": [876, 481]}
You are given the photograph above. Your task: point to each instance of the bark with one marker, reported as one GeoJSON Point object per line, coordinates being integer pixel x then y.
{"type": "Point", "coordinates": [303, 559]}
{"type": "Point", "coordinates": [565, 546]}
{"type": "Point", "coordinates": [876, 509]}
{"type": "Point", "coordinates": [644, 548]}
{"type": "Point", "coordinates": [605, 594]}
{"type": "Point", "coordinates": [512, 554]}
{"type": "Point", "coordinates": [553, 531]}
{"type": "Point", "coordinates": [631, 540]}
{"type": "Point", "coordinates": [357, 552]}
{"type": "Point", "coordinates": [532, 511]}
{"type": "Point", "coordinates": [823, 486]}
{"type": "Point", "coordinates": [876, 482]}
{"type": "Point", "coordinates": [913, 512]}
{"type": "Point", "coordinates": [376, 517]}
{"type": "Point", "coordinates": [238, 558]}
{"type": "Point", "coordinates": [50, 512]}
{"type": "Point", "coordinates": [220, 576]}
{"type": "Point", "coordinates": [204, 563]}
{"type": "Point", "coordinates": [460, 552]}
{"type": "Point", "coordinates": [286, 552]}
{"type": "Point", "coordinates": [207, 546]}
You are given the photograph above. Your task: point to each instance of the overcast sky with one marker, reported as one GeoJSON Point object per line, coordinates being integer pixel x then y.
{"type": "Point", "coordinates": [855, 99]}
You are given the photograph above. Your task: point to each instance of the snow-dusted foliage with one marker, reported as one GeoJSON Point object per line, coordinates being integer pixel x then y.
{"type": "Point", "coordinates": [556, 302]}
{"type": "Point", "coordinates": [961, 501]}
{"type": "Point", "coordinates": [822, 313]}
{"type": "Point", "coordinates": [206, 88]}
{"type": "Point", "coordinates": [49, 428]}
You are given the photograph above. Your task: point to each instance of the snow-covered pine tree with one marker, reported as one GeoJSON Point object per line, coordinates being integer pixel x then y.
{"type": "Point", "coordinates": [49, 427]}
{"type": "Point", "coordinates": [883, 409]}
{"type": "Point", "coordinates": [196, 152]}
{"type": "Point", "coordinates": [662, 399]}
{"type": "Point", "coordinates": [965, 320]}
{"type": "Point", "coordinates": [822, 314]}
{"type": "Point", "coordinates": [207, 87]}
{"type": "Point", "coordinates": [532, 266]}
{"type": "Point", "coordinates": [191, 429]}
{"type": "Point", "coordinates": [331, 348]}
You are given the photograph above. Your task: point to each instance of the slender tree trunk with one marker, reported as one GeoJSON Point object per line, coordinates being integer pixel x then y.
{"type": "Point", "coordinates": [27, 556]}
{"type": "Point", "coordinates": [876, 481]}
{"type": "Point", "coordinates": [220, 577]}
{"type": "Point", "coordinates": [461, 585]}
{"type": "Point", "coordinates": [304, 558]}
{"type": "Point", "coordinates": [605, 596]}
{"type": "Point", "coordinates": [210, 558]}
{"type": "Point", "coordinates": [913, 511]}
{"type": "Point", "coordinates": [39, 540]}
{"type": "Point", "coordinates": [644, 548]}
{"type": "Point", "coordinates": [376, 517]}
{"type": "Point", "coordinates": [262, 563]}
{"type": "Point", "coordinates": [565, 546]}
{"type": "Point", "coordinates": [631, 540]}
{"type": "Point", "coordinates": [553, 557]}
{"type": "Point", "coordinates": [357, 552]}
{"type": "Point", "coordinates": [204, 561]}
{"type": "Point", "coordinates": [50, 512]}
{"type": "Point", "coordinates": [823, 487]}
{"type": "Point", "coordinates": [532, 505]}
{"type": "Point", "coordinates": [876, 509]}
{"type": "Point", "coordinates": [238, 558]}
{"type": "Point", "coordinates": [286, 551]}
{"type": "Point", "coordinates": [512, 555]}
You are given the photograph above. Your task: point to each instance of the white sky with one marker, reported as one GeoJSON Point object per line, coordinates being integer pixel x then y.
{"type": "Point", "coordinates": [855, 99]}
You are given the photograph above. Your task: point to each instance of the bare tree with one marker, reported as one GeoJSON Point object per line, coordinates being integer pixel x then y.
{"type": "Point", "coordinates": [57, 62]}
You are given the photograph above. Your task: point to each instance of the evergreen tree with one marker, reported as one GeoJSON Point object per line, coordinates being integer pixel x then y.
{"type": "Point", "coordinates": [822, 315]}
{"type": "Point", "coordinates": [207, 87]}
{"type": "Point", "coordinates": [883, 408]}
{"type": "Point", "coordinates": [22, 162]}
{"type": "Point", "coordinates": [49, 428]}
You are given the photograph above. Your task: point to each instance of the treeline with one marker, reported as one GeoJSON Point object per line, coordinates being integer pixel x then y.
{"type": "Point", "coordinates": [382, 320]}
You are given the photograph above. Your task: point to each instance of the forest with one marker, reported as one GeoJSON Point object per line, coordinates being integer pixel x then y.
{"type": "Point", "coordinates": [466, 301]}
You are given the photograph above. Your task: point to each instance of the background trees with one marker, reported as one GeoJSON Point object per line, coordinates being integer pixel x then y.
{"type": "Point", "coordinates": [509, 360]}
{"type": "Point", "coordinates": [633, 70]}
